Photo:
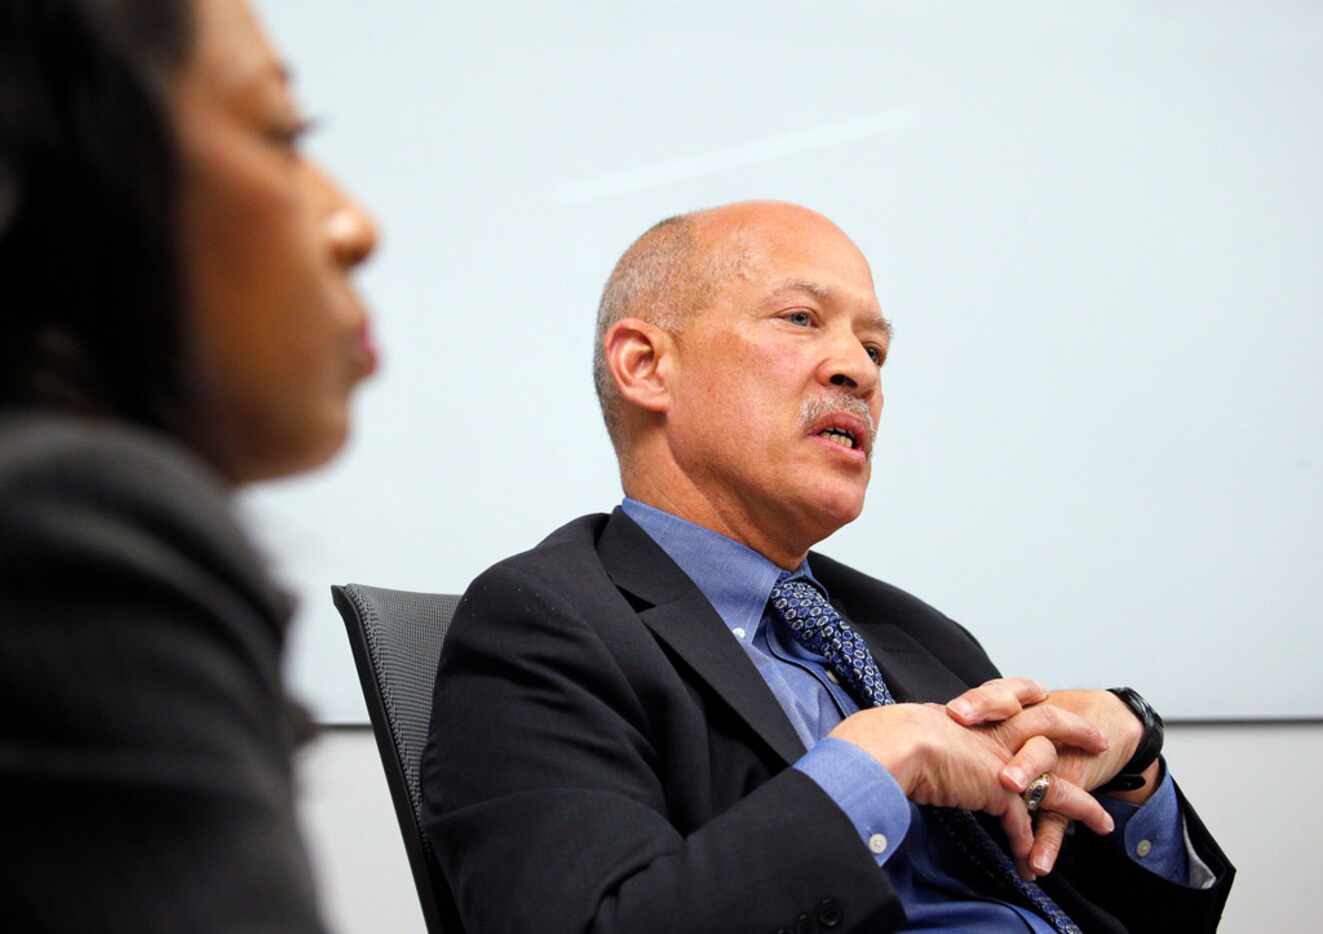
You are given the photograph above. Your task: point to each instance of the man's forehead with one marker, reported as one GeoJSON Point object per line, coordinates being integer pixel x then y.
{"type": "Point", "coordinates": [781, 237]}
{"type": "Point", "coordinates": [778, 249]}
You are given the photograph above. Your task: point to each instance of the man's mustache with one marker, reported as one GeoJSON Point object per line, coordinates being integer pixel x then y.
{"type": "Point", "coordinates": [839, 403]}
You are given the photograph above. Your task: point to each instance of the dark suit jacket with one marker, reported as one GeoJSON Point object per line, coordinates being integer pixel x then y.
{"type": "Point", "coordinates": [145, 778]}
{"type": "Point", "coordinates": [605, 758]}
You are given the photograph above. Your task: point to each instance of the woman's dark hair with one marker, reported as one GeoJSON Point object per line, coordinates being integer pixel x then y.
{"type": "Point", "coordinates": [92, 309]}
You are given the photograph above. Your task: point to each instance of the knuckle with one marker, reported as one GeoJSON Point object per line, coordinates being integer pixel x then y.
{"type": "Point", "coordinates": [1083, 724]}
{"type": "Point", "coordinates": [1058, 796]}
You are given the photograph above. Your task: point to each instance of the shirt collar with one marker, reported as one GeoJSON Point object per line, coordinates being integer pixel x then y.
{"type": "Point", "coordinates": [735, 579]}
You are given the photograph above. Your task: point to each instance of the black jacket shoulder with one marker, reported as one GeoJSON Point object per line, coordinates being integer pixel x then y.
{"type": "Point", "coordinates": [94, 495]}
{"type": "Point", "coordinates": [147, 733]}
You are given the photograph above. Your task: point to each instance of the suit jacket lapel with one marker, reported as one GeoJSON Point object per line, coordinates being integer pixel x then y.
{"type": "Point", "coordinates": [673, 607]}
{"type": "Point", "coordinates": [912, 672]}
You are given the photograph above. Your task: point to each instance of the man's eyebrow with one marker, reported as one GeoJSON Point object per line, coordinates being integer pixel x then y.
{"type": "Point", "coordinates": [819, 291]}
{"type": "Point", "coordinates": [880, 323]}
{"type": "Point", "coordinates": [825, 294]}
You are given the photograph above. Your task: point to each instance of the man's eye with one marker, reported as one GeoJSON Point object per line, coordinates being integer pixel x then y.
{"type": "Point", "coordinates": [875, 354]}
{"type": "Point", "coordinates": [801, 318]}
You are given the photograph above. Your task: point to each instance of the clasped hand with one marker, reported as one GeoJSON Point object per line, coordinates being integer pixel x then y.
{"type": "Point", "coordinates": [981, 750]}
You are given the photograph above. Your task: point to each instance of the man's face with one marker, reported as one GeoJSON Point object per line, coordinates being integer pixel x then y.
{"type": "Point", "coordinates": [775, 388]}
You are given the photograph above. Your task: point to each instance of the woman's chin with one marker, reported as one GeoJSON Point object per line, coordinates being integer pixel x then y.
{"type": "Point", "coordinates": [280, 454]}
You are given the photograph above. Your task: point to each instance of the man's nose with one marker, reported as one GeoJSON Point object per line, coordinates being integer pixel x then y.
{"type": "Point", "coordinates": [851, 369]}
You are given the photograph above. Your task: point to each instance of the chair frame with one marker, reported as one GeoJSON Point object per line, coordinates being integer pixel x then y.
{"type": "Point", "coordinates": [439, 918]}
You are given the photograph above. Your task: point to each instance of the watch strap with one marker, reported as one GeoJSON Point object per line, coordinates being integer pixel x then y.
{"type": "Point", "coordinates": [1131, 776]}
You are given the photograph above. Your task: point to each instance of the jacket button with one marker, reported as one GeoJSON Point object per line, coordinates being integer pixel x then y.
{"type": "Point", "coordinates": [829, 913]}
{"type": "Point", "coordinates": [804, 925]}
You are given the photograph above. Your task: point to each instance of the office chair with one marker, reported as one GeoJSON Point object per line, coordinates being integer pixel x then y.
{"type": "Point", "coordinates": [396, 636]}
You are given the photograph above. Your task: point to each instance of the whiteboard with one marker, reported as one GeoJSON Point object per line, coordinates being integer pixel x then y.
{"type": "Point", "coordinates": [1095, 226]}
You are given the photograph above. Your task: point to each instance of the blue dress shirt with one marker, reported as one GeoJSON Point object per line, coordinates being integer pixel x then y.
{"type": "Point", "coordinates": [737, 582]}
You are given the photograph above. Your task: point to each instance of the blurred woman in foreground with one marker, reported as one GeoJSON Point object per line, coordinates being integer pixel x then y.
{"type": "Point", "coordinates": [178, 320]}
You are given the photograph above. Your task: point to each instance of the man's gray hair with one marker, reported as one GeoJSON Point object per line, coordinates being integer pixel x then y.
{"type": "Point", "coordinates": [664, 277]}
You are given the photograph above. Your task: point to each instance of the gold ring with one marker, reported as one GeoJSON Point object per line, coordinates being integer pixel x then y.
{"type": "Point", "coordinates": [1036, 791]}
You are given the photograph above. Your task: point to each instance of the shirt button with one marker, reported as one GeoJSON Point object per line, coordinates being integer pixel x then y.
{"type": "Point", "coordinates": [1144, 848]}
{"type": "Point", "coordinates": [739, 632]}
{"type": "Point", "coordinates": [877, 843]}
{"type": "Point", "coordinates": [831, 676]}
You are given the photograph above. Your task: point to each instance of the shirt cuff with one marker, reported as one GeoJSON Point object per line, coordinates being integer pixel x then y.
{"type": "Point", "coordinates": [863, 790]}
{"type": "Point", "coordinates": [1153, 834]}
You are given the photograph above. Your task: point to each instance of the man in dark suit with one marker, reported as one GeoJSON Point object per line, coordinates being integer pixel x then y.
{"type": "Point", "coordinates": [678, 718]}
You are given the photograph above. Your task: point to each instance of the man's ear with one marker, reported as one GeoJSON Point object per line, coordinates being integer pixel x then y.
{"type": "Point", "coordinates": [638, 356]}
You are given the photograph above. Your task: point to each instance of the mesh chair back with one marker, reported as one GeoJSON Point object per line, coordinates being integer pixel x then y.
{"type": "Point", "coordinates": [396, 636]}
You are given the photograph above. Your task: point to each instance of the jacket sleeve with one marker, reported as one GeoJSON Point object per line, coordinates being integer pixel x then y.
{"type": "Point", "coordinates": [543, 800]}
{"type": "Point", "coordinates": [145, 751]}
{"type": "Point", "coordinates": [1100, 871]}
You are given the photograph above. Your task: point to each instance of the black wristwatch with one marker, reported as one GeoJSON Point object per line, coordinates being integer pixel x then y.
{"type": "Point", "coordinates": [1131, 776]}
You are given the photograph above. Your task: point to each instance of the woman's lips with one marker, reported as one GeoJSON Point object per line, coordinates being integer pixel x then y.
{"type": "Point", "coordinates": [366, 348]}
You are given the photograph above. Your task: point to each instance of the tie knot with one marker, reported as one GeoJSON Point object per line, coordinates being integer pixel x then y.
{"type": "Point", "coordinates": [799, 602]}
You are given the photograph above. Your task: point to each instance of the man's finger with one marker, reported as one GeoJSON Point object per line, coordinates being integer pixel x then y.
{"type": "Point", "coordinates": [1047, 843]}
{"type": "Point", "coordinates": [1070, 800]}
{"type": "Point", "coordinates": [1057, 724]}
{"type": "Point", "coordinates": [1036, 756]}
{"type": "Point", "coordinates": [995, 700]}
{"type": "Point", "coordinates": [1019, 828]}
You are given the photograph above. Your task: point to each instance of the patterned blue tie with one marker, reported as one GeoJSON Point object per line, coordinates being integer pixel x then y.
{"type": "Point", "coordinates": [813, 621]}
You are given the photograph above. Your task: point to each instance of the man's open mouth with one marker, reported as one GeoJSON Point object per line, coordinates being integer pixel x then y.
{"type": "Point", "coordinates": [839, 436]}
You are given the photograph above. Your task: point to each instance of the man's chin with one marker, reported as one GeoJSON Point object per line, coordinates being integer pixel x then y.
{"type": "Point", "coordinates": [837, 508]}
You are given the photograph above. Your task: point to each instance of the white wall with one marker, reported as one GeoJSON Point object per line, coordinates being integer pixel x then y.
{"type": "Point", "coordinates": [1256, 787]}
{"type": "Point", "coordinates": [1095, 226]}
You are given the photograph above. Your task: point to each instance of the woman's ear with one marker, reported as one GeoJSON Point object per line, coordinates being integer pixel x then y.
{"type": "Point", "coordinates": [637, 356]}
